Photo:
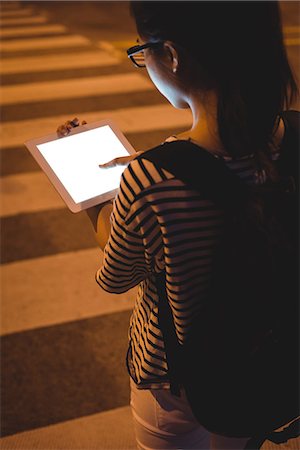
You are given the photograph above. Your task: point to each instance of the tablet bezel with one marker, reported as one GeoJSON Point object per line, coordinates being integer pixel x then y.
{"type": "Point", "coordinates": [76, 207]}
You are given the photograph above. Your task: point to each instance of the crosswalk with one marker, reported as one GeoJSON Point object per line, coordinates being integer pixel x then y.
{"type": "Point", "coordinates": [11, 9]}
{"type": "Point", "coordinates": [83, 87]}
{"type": "Point", "coordinates": [31, 20]}
{"type": "Point", "coordinates": [56, 62]}
{"type": "Point", "coordinates": [292, 36]}
{"type": "Point", "coordinates": [38, 30]}
{"type": "Point", "coordinates": [131, 120]}
{"type": "Point", "coordinates": [64, 340]}
{"type": "Point", "coordinates": [17, 45]}
{"type": "Point", "coordinates": [49, 256]}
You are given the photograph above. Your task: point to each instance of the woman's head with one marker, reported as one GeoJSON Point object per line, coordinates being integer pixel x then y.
{"type": "Point", "coordinates": [233, 48]}
{"type": "Point", "coordinates": [163, 68]}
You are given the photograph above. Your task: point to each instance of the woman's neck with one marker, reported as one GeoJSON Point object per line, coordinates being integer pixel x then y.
{"type": "Point", "coordinates": [205, 125]}
{"type": "Point", "coordinates": [204, 131]}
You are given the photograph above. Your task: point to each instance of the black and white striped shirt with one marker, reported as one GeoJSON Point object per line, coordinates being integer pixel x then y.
{"type": "Point", "coordinates": [160, 223]}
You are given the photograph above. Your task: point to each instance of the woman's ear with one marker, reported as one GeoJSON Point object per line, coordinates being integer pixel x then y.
{"type": "Point", "coordinates": [172, 55]}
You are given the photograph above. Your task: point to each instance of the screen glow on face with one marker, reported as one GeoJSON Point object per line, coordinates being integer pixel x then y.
{"type": "Point", "coordinates": [75, 161]}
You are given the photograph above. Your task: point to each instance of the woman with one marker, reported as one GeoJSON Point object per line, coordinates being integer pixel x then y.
{"type": "Point", "coordinates": [226, 62]}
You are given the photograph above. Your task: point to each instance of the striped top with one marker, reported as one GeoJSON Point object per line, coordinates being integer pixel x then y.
{"type": "Point", "coordinates": [159, 223]}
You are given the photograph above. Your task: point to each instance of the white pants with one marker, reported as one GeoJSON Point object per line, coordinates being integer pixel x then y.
{"type": "Point", "coordinates": [163, 421]}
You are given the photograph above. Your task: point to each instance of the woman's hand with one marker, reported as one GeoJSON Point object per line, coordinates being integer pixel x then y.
{"type": "Point", "coordinates": [120, 161]}
{"type": "Point", "coordinates": [64, 130]}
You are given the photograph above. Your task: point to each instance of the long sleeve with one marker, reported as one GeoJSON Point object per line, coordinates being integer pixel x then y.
{"type": "Point", "coordinates": [127, 261]}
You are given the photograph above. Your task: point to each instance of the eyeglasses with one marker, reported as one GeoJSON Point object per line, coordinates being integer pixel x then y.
{"type": "Point", "coordinates": [136, 53]}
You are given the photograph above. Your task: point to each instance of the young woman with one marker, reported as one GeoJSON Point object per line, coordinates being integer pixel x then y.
{"type": "Point", "coordinates": [226, 62]}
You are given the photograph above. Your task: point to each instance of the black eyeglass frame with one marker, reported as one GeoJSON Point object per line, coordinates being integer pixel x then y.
{"type": "Point", "coordinates": [138, 48]}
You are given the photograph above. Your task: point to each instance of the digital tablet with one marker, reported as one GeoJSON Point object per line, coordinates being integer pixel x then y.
{"type": "Point", "coordinates": [72, 162]}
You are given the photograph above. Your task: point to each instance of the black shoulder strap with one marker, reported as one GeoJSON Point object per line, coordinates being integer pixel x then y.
{"type": "Point", "coordinates": [198, 168]}
{"type": "Point", "coordinates": [290, 146]}
{"type": "Point", "coordinates": [201, 170]}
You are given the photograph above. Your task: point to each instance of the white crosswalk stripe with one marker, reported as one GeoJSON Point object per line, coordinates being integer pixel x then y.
{"type": "Point", "coordinates": [138, 119]}
{"type": "Point", "coordinates": [291, 42]}
{"type": "Point", "coordinates": [291, 29]}
{"type": "Point", "coordinates": [291, 36]}
{"type": "Point", "coordinates": [19, 194]}
{"type": "Point", "coordinates": [16, 12]}
{"type": "Point", "coordinates": [57, 62]}
{"type": "Point", "coordinates": [33, 20]}
{"type": "Point", "coordinates": [75, 88]}
{"type": "Point", "coordinates": [53, 280]}
{"type": "Point", "coordinates": [44, 43]}
{"type": "Point", "coordinates": [88, 431]}
{"type": "Point", "coordinates": [45, 29]}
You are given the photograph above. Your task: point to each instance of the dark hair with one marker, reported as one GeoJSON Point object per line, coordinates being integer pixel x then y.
{"type": "Point", "coordinates": [238, 50]}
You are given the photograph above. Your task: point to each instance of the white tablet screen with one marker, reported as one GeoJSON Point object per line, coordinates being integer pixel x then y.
{"type": "Point", "coordinates": [75, 161]}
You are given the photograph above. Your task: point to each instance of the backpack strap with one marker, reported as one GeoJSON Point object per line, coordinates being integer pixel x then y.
{"type": "Point", "coordinates": [198, 168]}
{"type": "Point", "coordinates": [201, 170]}
{"type": "Point", "coordinates": [288, 163]}
{"type": "Point", "coordinates": [204, 172]}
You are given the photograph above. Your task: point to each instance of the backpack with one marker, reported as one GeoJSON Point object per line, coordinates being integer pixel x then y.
{"type": "Point", "coordinates": [247, 337]}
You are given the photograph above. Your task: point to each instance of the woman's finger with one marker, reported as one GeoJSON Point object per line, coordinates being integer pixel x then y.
{"type": "Point", "coordinates": [64, 130]}
{"type": "Point", "coordinates": [120, 161]}
{"type": "Point", "coordinates": [74, 123]}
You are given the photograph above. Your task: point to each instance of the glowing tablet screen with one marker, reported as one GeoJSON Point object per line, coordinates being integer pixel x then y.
{"type": "Point", "coordinates": [75, 161]}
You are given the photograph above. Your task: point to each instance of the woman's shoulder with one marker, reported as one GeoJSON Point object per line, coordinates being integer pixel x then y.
{"type": "Point", "coordinates": [141, 175]}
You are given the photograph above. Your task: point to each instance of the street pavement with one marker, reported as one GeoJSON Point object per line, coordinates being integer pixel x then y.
{"type": "Point", "coordinates": [64, 381]}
